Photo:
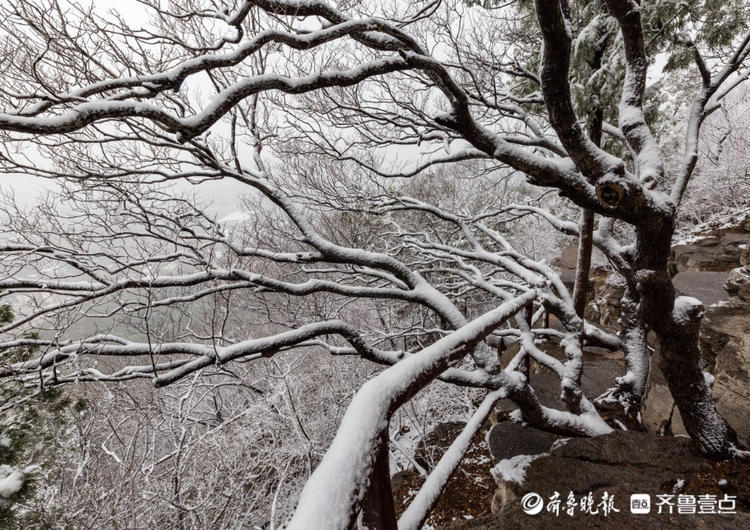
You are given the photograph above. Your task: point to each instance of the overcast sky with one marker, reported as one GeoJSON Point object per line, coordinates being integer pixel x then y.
{"type": "Point", "coordinates": [225, 194]}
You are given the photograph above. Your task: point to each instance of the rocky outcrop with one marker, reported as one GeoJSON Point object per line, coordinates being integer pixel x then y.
{"type": "Point", "coordinates": [721, 247]}
{"type": "Point", "coordinates": [706, 286]}
{"type": "Point", "coordinates": [509, 440]}
{"type": "Point", "coordinates": [725, 340]}
{"type": "Point", "coordinates": [711, 253]}
{"type": "Point", "coordinates": [620, 464]}
{"type": "Point", "coordinates": [713, 268]}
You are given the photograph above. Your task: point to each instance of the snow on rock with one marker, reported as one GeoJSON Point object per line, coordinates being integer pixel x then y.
{"type": "Point", "coordinates": [11, 482]}
{"type": "Point", "coordinates": [514, 469]}
{"type": "Point", "coordinates": [687, 309]}
{"type": "Point", "coordinates": [721, 221]}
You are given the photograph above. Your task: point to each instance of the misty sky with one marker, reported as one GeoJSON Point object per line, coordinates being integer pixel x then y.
{"type": "Point", "coordinates": [225, 194]}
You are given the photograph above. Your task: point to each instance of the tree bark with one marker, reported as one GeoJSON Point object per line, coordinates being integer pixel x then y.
{"type": "Point", "coordinates": [680, 363]}
{"type": "Point", "coordinates": [676, 322]}
{"type": "Point", "coordinates": [586, 224]}
{"type": "Point", "coordinates": [378, 511]}
{"type": "Point", "coordinates": [583, 262]}
{"type": "Point", "coordinates": [525, 367]}
{"type": "Point", "coordinates": [632, 385]}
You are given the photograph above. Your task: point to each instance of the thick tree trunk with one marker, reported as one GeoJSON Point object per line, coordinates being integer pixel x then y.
{"type": "Point", "coordinates": [676, 322]}
{"type": "Point", "coordinates": [681, 366]}
{"type": "Point", "coordinates": [624, 401]}
{"type": "Point", "coordinates": [586, 223]}
{"type": "Point", "coordinates": [632, 385]}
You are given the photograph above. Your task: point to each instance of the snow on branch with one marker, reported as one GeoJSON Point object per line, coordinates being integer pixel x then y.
{"type": "Point", "coordinates": [631, 119]}
{"type": "Point", "coordinates": [419, 509]}
{"type": "Point", "coordinates": [332, 495]}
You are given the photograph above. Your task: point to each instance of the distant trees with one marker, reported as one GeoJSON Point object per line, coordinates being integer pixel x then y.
{"type": "Point", "coordinates": [722, 179]}
{"type": "Point", "coordinates": [411, 265]}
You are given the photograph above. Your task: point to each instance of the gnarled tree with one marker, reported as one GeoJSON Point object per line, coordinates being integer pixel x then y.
{"type": "Point", "coordinates": [197, 93]}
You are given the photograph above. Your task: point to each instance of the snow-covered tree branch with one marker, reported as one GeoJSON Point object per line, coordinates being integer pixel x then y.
{"type": "Point", "coordinates": [393, 157]}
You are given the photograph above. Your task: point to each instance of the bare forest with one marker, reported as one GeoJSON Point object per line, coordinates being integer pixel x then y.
{"type": "Point", "coordinates": [253, 252]}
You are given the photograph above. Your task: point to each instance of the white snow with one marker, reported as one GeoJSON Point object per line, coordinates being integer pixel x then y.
{"type": "Point", "coordinates": [707, 229]}
{"type": "Point", "coordinates": [514, 469]}
{"type": "Point", "coordinates": [332, 494]}
{"type": "Point", "coordinates": [686, 309]}
{"type": "Point", "coordinates": [11, 481]}
{"type": "Point", "coordinates": [235, 218]}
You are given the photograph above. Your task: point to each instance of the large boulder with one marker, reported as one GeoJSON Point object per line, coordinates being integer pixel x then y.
{"type": "Point", "coordinates": [715, 248]}
{"type": "Point", "coordinates": [619, 464]}
{"type": "Point", "coordinates": [706, 286]}
{"type": "Point", "coordinates": [725, 339]}
{"type": "Point", "coordinates": [725, 344]}
{"type": "Point", "coordinates": [738, 283]}
{"type": "Point", "coordinates": [509, 440]}
{"type": "Point", "coordinates": [713, 267]}
{"type": "Point", "coordinates": [706, 254]}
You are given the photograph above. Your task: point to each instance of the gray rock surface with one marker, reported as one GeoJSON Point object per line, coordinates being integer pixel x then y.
{"type": "Point", "coordinates": [706, 286]}
{"type": "Point", "coordinates": [508, 439]}
{"type": "Point", "coordinates": [714, 269]}
{"type": "Point", "coordinates": [621, 463]}
{"type": "Point", "coordinates": [725, 339]}
{"type": "Point", "coordinates": [719, 252]}
{"type": "Point", "coordinates": [725, 343]}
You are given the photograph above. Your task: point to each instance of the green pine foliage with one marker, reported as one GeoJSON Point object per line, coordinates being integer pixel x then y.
{"type": "Point", "coordinates": [29, 433]}
{"type": "Point", "coordinates": [672, 32]}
